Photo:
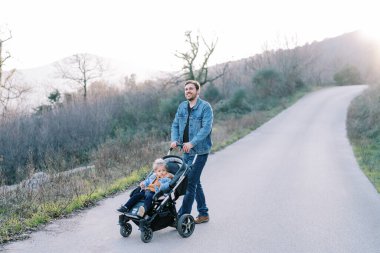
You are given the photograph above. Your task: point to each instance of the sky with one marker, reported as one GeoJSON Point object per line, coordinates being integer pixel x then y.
{"type": "Point", "coordinates": [147, 33]}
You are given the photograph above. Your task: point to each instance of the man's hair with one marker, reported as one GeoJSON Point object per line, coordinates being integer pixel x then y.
{"type": "Point", "coordinates": [159, 162]}
{"type": "Point", "coordinates": [196, 84]}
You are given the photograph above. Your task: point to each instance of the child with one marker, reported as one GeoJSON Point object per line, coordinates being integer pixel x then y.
{"type": "Point", "coordinates": [158, 180]}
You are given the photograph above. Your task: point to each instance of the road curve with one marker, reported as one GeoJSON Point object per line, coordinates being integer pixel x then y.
{"type": "Point", "coordinates": [293, 185]}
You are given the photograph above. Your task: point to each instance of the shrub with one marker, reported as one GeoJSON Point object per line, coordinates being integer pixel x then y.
{"type": "Point", "coordinates": [268, 82]}
{"type": "Point", "coordinates": [168, 106]}
{"type": "Point", "coordinates": [212, 93]}
{"type": "Point", "coordinates": [236, 104]}
{"type": "Point", "coordinates": [364, 115]}
{"type": "Point", "coordinates": [348, 75]}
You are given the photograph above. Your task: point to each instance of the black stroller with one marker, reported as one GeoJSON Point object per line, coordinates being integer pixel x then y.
{"type": "Point", "coordinates": [163, 212]}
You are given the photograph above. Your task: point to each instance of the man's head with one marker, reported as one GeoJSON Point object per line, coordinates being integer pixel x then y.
{"type": "Point", "coordinates": [192, 89]}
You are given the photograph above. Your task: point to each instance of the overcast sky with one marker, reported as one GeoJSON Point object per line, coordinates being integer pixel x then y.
{"type": "Point", "coordinates": [147, 33]}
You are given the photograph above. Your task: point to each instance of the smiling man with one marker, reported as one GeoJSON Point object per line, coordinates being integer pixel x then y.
{"type": "Point", "coordinates": [192, 126]}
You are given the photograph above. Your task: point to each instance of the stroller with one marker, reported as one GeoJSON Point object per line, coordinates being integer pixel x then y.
{"type": "Point", "coordinates": [163, 212]}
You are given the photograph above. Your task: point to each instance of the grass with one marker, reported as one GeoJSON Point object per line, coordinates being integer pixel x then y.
{"type": "Point", "coordinates": [13, 227]}
{"type": "Point", "coordinates": [225, 133]}
{"type": "Point", "coordinates": [367, 152]}
{"type": "Point", "coordinates": [363, 127]}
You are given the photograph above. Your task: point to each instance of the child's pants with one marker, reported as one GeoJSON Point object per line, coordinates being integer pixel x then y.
{"type": "Point", "coordinates": [147, 195]}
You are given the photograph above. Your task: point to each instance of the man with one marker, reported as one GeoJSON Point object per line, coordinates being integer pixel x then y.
{"type": "Point", "coordinates": [192, 126]}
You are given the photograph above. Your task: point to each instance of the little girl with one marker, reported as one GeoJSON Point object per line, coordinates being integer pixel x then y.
{"type": "Point", "coordinates": [158, 180]}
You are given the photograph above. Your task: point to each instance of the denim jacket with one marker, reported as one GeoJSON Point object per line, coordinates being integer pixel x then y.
{"type": "Point", "coordinates": [163, 181]}
{"type": "Point", "coordinates": [200, 126]}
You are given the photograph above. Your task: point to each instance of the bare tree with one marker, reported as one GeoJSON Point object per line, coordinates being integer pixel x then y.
{"type": "Point", "coordinates": [9, 89]}
{"type": "Point", "coordinates": [130, 82]}
{"type": "Point", "coordinates": [192, 70]}
{"type": "Point", "coordinates": [81, 69]}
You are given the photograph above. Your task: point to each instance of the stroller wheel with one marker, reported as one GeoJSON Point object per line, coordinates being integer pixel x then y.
{"type": "Point", "coordinates": [125, 230]}
{"type": "Point", "coordinates": [146, 235]}
{"type": "Point", "coordinates": [185, 225]}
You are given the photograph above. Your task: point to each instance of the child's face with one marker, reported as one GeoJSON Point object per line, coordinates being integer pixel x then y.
{"type": "Point", "coordinates": [161, 171]}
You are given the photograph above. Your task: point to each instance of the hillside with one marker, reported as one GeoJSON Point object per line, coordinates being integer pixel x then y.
{"type": "Point", "coordinates": [315, 63]}
{"type": "Point", "coordinates": [349, 49]}
{"type": "Point", "coordinates": [120, 132]}
{"type": "Point", "coordinates": [323, 59]}
{"type": "Point", "coordinates": [43, 80]}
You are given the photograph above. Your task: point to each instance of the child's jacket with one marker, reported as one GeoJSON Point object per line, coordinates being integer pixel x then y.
{"type": "Point", "coordinates": [154, 184]}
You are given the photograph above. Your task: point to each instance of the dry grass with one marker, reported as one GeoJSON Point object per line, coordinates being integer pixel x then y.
{"type": "Point", "coordinates": [119, 163]}
{"type": "Point", "coordinates": [363, 126]}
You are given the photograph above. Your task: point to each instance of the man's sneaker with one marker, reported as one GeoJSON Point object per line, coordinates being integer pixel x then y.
{"type": "Point", "coordinates": [122, 209]}
{"type": "Point", "coordinates": [141, 211]}
{"type": "Point", "coordinates": [201, 219]}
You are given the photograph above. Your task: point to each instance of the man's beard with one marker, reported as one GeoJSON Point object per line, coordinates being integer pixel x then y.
{"type": "Point", "coordinates": [192, 98]}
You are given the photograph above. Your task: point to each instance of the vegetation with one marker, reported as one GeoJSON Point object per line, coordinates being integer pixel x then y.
{"type": "Point", "coordinates": [195, 67]}
{"type": "Point", "coordinates": [348, 75]}
{"type": "Point", "coordinates": [118, 132]}
{"type": "Point", "coordinates": [10, 91]}
{"type": "Point", "coordinates": [363, 126]}
{"type": "Point", "coordinates": [116, 161]}
{"type": "Point", "coordinates": [121, 131]}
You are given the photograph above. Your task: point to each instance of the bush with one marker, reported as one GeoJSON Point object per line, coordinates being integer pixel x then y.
{"type": "Point", "coordinates": [348, 75]}
{"type": "Point", "coordinates": [363, 127]}
{"type": "Point", "coordinates": [212, 93]}
{"type": "Point", "coordinates": [168, 106]}
{"type": "Point", "coordinates": [364, 115]}
{"type": "Point", "coordinates": [268, 82]}
{"type": "Point", "coordinates": [236, 104]}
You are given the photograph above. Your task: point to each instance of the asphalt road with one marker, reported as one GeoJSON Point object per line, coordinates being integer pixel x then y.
{"type": "Point", "coordinates": [293, 185]}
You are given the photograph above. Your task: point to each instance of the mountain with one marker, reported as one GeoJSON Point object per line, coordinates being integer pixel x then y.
{"type": "Point", "coordinates": [355, 49]}
{"type": "Point", "coordinates": [314, 63]}
{"type": "Point", "coordinates": [319, 61]}
{"type": "Point", "coordinates": [43, 80]}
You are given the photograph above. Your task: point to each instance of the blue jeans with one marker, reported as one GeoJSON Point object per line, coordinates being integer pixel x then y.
{"type": "Point", "coordinates": [146, 195]}
{"type": "Point", "coordinates": [194, 187]}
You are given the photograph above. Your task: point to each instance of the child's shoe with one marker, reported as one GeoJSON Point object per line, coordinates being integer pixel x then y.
{"type": "Point", "coordinates": [122, 209]}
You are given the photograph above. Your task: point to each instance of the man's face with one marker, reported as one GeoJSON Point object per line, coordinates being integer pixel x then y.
{"type": "Point", "coordinates": [191, 92]}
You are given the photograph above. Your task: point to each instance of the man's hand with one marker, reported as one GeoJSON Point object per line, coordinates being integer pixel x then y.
{"type": "Point", "coordinates": [142, 185]}
{"type": "Point", "coordinates": [187, 146]}
{"type": "Point", "coordinates": [173, 144]}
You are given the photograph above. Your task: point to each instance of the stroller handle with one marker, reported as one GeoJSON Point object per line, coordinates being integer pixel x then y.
{"type": "Point", "coordinates": [180, 145]}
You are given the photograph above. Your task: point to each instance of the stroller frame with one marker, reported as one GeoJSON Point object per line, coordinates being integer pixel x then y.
{"type": "Point", "coordinates": [163, 212]}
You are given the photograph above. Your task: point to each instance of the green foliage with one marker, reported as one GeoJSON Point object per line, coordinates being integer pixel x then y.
{"type": "Point", "coordinates": [268, 83]}
{"type": "Point", "coordinates": [123, 183]}
{"type": "Point", "coordinates": [299, 83]}
{"type": "Point", "coordinates": [364, 115]}
{"type": "Point", "coordinates": [212, 93]}
{"type": "Point", "coordinates": [14, 225]}
{"type": "Point", "coordinates": [363, 127]}
{"type": "Point", "coordinates": [348, 75]}
{"type": "Point", "coordinates": [37, 219]}
{"type": "Point", "coordinates": [237, 104]}
{"type": "Point", "coordinates": [89, 190]}
{"type": "Point", "coordinates": [54, 96]}
{"type": "Point", "coordinates": [168, 105]}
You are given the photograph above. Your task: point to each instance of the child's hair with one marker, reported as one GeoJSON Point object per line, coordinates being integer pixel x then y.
{"type": "Point", "coordinates": [159, 162]}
